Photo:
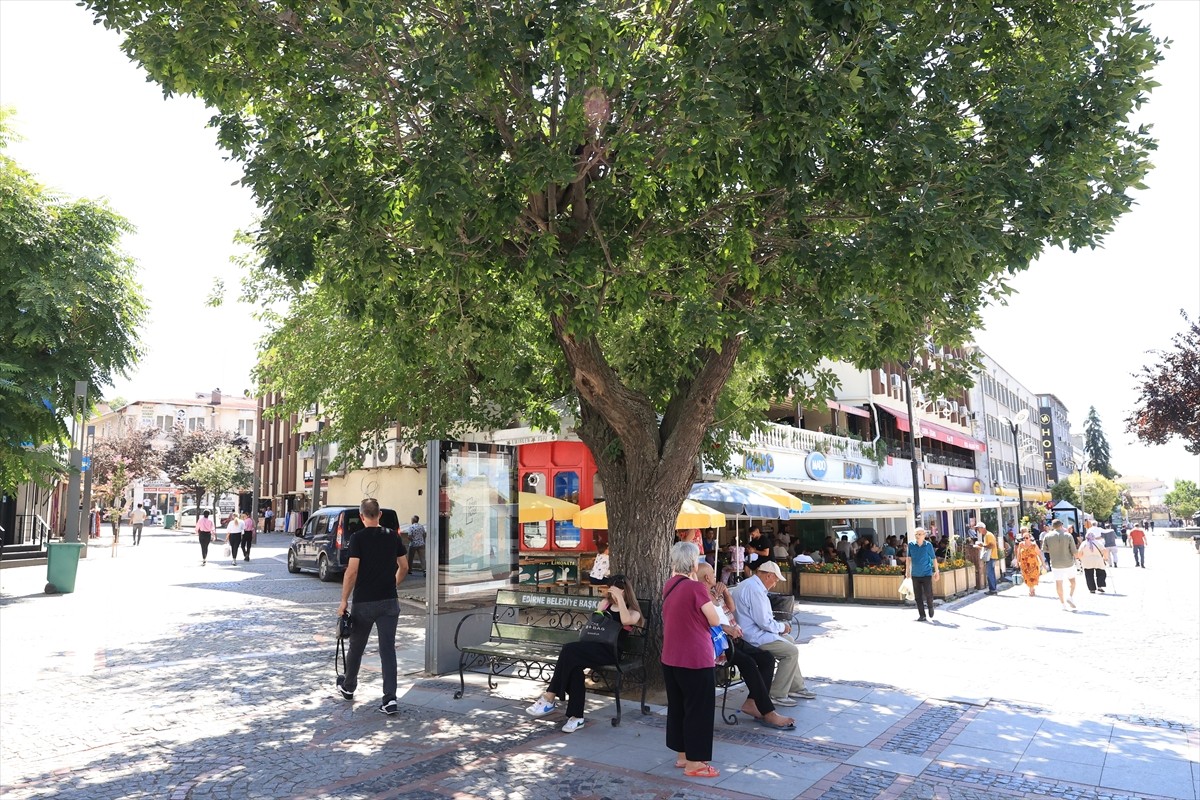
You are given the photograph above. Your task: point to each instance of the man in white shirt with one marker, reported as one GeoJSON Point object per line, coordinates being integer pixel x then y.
{"type": "Point", "coordinates": [761, 629]}
{"type": "Point", "coordinates": [137, 518]}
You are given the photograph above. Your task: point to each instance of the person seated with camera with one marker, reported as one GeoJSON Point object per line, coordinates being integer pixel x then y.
{"type": "Point", "coordinates": [620, 603]}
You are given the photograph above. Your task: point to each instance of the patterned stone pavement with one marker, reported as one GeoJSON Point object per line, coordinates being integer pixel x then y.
{"type": "Point", "coordinates": [162, 679]}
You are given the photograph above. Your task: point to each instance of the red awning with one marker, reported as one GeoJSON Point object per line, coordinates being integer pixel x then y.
{"type": "Point", "coordinates": [858, 412]}
{"type": "Point", "coordinates": [930, 430]}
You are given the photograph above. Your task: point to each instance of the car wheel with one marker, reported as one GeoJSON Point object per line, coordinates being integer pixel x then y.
{"type": "Point", "coordinates": [323, 570]}
{"type": "Point", "coordinates": [293, 567]}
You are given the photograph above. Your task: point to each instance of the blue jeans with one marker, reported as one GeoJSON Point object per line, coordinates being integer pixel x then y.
{"type": "Point", "coordinates": [989, 570]}
{"type": "Point", "coordinates": [1139, 555]}
{"type": "Point", "coordinates": [383, 615]}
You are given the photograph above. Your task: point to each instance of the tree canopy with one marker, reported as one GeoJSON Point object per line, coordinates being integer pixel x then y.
{"type": "Point", "coordinates": [1098, 496]}
{"type": "Point", "coordinates": [69, 310]}
{"type": "Point", "coordinates": [119, 460]}
{"type": "Point", "coordinates": [1169, 403]}
{"type": "Point", "coordinates": [218, 470]}
{"type": "Point", "coordinates": [1095, 445]}
{"type": "Point", "coordinates": [186, 446]}
{"type": "Point", "coordinates": [667, 212]}
{"type": "Point", "coordinates": [1183, 499]}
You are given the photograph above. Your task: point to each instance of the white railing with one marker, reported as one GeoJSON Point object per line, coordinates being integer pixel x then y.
{"type": "Point", "coordinates": [799, 440]}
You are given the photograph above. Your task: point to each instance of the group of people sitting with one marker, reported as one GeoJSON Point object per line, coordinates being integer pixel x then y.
{"type": "Point", "coordinates": [693, 601]}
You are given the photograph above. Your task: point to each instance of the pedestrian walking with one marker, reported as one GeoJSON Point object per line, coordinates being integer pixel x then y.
{"type": "Point", "coordinates": [247, 535]}
{"type": "Point", "coordinates": [989, 554]}
{"type": "Point", "coordinates": [137, 518]}
{"type": "Point", "coordinates": [377, 565]}
{"type": "Point", "coordinates": [1060, 547]}
{"type": "Point", "coordinates": [687, 664]}
{"type": "Point", "coordinates": [1093, 558]}
{"type": "Point", "coordinates": [416, 543]}
{"type": "Point", "coordinates": [1110, 544]}
{"type": "Point", "coordinates": [1029, 560]}
{"type": "Point", "coordinates": [922, 567]}
{"type": "Point", "coordinates": [204, 529]}
{"type": "Point", "coordinates": [619, 604]}
{"type": "Point", "coordinates": [1138, 537]}
{"type": "Point", "coordinates": [269, 520]}
{"type": "Point", "coordinates": [233, 535]}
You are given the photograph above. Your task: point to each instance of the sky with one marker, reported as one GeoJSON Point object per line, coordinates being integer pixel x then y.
{"type": "Point", "coordinates": [1079, 325]}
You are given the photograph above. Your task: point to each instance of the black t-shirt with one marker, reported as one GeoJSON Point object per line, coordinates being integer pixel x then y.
{"type": "Point", "coordinates": [764, 542]}
{"type": "Point", "coordinates": [376, 550]}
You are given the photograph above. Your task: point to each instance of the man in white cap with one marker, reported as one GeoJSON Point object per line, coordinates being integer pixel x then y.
{"type": "Point", "coordinates": [988, 554]}
{"type": "Point", "coordinates": [761, 629]}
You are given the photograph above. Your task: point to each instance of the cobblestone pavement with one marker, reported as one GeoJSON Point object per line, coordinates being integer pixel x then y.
{"type": "Point", "coordinates": [159, 678]}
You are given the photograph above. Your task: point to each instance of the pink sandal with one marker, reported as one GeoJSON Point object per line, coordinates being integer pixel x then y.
{"type": "Point", "coordinates": [707, 771]}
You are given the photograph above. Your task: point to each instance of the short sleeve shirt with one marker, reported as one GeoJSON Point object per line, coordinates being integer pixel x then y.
{"type": "Point", "coordinates": [376, 550]}
{"type": "Point", "coordinates": [686, 639]}
{"type": "Point", "coordinates": [921, 557]}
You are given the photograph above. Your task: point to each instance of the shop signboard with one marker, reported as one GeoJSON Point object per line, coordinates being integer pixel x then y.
{"type": "Point", "coordinates": [970, 485]}
{"type": "Point", "coordinates": [1046, 437]}
{"type": "Point", "coordinates": [817, 466]}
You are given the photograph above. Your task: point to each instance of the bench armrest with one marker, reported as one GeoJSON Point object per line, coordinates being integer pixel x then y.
{"type": "Point", "coordinates": [458, 627]}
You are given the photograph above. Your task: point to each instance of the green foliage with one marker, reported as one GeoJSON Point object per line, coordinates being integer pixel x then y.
{"type": "Point", "coordinates": [1184, 499]}
{"type": "Point", "coordinates": [1099, 495]}
{"type": "Point", "coordinates": [1065, 490]}
{"type": "Point", "coordinates": [118, 461]}
{"type": "Point", "coordinates": [666, 213]}
{"type": "Point", "coordinates": [69, 310]}
{"type": "Point", "coordinates": [1169, 403]}
{"type": "Point", "coordinates": [219, 470]}
{"type": "Point", "coordinates": [185, 446]}
{"type": "Point", "coordinates": [1095, 445]}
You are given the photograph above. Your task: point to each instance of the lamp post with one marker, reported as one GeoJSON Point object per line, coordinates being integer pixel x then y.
{"type": "Point", "coordinates": [914, 450]}
{"type": "Point", "coordinates": [1013, 425]}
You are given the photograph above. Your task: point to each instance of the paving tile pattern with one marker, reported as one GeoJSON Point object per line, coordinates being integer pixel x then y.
{"type": "Point", "coordinates": [859, 784]}
{"type": "Point", "coordinates": [1152, 722]}
{"type": "Point", "coordinates": [919, 736]}
{"type": "Point", "coordinates": [1008, 784]}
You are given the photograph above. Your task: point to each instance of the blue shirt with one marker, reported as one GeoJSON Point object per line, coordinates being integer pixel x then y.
{"type": "Point", "coordinates": [921, 558]}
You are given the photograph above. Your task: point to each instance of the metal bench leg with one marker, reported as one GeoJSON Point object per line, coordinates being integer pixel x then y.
{"type": "Point", "coordinates": [462, 680]}
{"type": "Point", "coordinates": [731, 717]}
{"type": "Point", "coordinates": [617, 691]}
{"type": "Point", "coordinates": [645, 680]}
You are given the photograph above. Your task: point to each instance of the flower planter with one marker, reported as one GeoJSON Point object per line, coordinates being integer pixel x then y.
{"type": "Point", "coordinates": [950, 582]}
{"type": "Point", "coordinates": [878, 588]}
{"type": "Point", "coordinates": [824, 584]}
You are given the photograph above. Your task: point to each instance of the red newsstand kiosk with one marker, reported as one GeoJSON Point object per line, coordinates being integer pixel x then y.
{"type": "Point", "coordinates": [556, 552]}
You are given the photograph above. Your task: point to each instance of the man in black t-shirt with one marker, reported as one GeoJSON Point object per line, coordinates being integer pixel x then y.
{"type": "Point", "coordinates": [378, 563]}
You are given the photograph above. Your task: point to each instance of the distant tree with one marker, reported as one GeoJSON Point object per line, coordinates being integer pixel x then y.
{"type": "Point", "coordinates": [1098, 496]}
{"type": "Point", "coordinates": [118, 461]}
{"type": "Point", "coordinates": [1169, 404]}
{"type": "Point", "coordinates": [186, 446]}
{"type": "Point", "coordinates": [1184, 499]}
{"type": "Point", "coordinates": [1095, 445]}
{"type": "Point", "coordinates": [69, 310]}
{"type": "Point", "coordinates": [219, 470]}
{"type": "Point", "coordinates": [1065, 490]}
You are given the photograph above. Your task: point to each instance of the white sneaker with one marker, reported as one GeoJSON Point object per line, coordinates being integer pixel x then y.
{"type": "Point", "coordinates": [573, 724]}
{"type": "Point", "coordinates": [540, 708]}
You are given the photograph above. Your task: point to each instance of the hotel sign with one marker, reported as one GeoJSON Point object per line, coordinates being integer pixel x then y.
{"type": "Point", "coordinates": [1046, 437]}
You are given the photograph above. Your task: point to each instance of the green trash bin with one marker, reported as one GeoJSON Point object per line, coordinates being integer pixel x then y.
{"type": "Point", "coordinates": [168, 522]}
{"type": "Point", "coordinates": [62, 564]}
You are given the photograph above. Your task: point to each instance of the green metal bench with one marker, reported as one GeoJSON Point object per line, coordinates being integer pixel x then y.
{"type": "Point", "coordinates": [529, 628]}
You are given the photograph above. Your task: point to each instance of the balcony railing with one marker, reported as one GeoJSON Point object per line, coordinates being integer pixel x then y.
{"type": "Point", "coordinates": [785, 437]}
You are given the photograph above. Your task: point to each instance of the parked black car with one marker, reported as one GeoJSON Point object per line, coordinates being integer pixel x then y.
{"type": "Point", "coordinates": [321, 543]}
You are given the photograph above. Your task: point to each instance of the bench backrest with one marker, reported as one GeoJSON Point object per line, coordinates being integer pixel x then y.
{"type": "Point", "coordinates": [521, 615]}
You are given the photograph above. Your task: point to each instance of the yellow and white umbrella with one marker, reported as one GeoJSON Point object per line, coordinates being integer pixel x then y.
{"type": "Point", "coordinates": [540, 508]}
{"type": "Point", "coordinates": [784, 498]}
{"type": "Point", "coordinates": [691, 515]}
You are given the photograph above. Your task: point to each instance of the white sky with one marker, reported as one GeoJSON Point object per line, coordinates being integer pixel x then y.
{"type": "Point", "coordinates": [93, 127]}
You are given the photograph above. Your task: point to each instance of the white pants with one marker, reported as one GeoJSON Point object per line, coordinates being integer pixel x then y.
{"type": "Point", "coordinates": [787, 667]}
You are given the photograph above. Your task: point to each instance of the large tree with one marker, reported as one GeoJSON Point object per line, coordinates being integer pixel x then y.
{"type": "Point", "coordinates": [668, 212]}
{"type": "Point", "coordinates": [1098, 496]}
{"type": "Point", "coordinates": [186, 446]}
{"type": "Point", "coordinates": [218, 470]}
{"type": "Point", "coordinates": [1095, 445]}
{"type": "Point", "coordinates": [69, 311]}
{"type": "Point", "coordinates": [1169, 403]}
{"type": "Point", "coordinates": [1183, 499]}
{"type": "Point", "coordinates": [117, 462]}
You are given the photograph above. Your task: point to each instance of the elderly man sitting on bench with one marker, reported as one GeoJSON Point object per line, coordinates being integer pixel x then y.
{"type": "Point", "coordinates": [761, 629]}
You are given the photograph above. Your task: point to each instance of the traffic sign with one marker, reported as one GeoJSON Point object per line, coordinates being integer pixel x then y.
{"type": "Point", "coordinates": [87, 464]}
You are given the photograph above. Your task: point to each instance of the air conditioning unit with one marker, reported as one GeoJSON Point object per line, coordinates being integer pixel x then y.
{"type": "Point", "coordinates": [943, 409]}
{"type": "Point", "coordinates": [897, 387]}
{"type": "Point", "coordinates": [416, 456]}
{"type": "Point", "coordinates": [381, 454]}
{"type": "Point", "coordinates": [305, 452]}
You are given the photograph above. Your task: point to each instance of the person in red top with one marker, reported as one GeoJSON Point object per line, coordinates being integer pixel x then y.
{"type": "Point", "coordinates": [687, 663]}
{"type": "Point", "coordinates": [1138, 537]}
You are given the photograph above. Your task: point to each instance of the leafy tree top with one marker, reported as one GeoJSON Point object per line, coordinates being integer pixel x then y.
{"type": "Point", "coordinates": [69, 310]}
{"type": "Point", "coordinates": [1169, 402]}
{"type": "Point", "coordinates": [186, 446]}
{"type": "Point", "coordinates": [217, 470]}
{"type": "Point", "coordinates": [626, 199]}
{"type": "Point", "coordinates": [121, 459]}
{"type": "Point", "coordinates": [1183, 499]}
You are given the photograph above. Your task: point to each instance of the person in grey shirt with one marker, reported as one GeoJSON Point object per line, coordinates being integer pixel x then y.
{"type": "Point", "coordinates": [1110, 544]}
{"type": "Point", "coordinates": [1060, 546]}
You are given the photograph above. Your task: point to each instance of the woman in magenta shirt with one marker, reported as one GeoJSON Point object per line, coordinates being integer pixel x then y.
{"type": "Point", "coordinates": [204, 529]}
{"type": "Point", "coordinates": [687, 663]}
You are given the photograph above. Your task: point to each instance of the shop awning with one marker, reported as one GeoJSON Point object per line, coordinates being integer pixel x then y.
{"type": "Point", "coordinates": [930, 430]}
{"type": "Point", "coordinates": [849, 409]}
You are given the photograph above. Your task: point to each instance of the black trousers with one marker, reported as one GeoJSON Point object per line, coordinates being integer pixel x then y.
{"type": "Point", "coordinates": [923, 590]}
{"type": "Point", "coordinates": [691, 701]}
{"type": "Point", "coordinates": [247, 543]}
{"type": "Point", "coordinates": [757, 668]}
{"type": "Point", "coordinates": [235, 541]}
{"type": "Point", "coordinates": [1096, 578]}
{"type": "Point", "coordinates": [568, 678]}
{"type": "Point", "coordinates": [205, 538]}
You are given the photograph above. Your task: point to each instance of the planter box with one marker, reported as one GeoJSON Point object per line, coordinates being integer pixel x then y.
{"type": "Point", "coordinates": [950, 582]}
{"type": "Point", "coordinates": [885, 588]}
{"type": "Point", "coordinates": [829, 585]}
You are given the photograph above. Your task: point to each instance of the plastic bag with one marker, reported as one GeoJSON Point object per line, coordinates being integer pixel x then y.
{"type": "Point", "coordinates": [906, 589]}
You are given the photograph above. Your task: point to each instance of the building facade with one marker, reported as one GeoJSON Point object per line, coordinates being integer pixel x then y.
{"type": "Point", "coordinates": [1012, 463]}
{"type": "Point", "coordinates": [1054, 438]}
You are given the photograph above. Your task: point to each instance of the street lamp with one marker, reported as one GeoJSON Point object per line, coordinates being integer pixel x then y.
{"type": "Point", "coordinates": [914, 450]}
{"type": "Point", "coordinates": [1013, 425]}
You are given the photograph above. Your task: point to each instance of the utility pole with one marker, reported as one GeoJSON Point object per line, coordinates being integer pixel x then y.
{"type": "Point", "coordinates": [316, 492]}
{"type": "Point", "coordinates": [914, 449]}
{"type": "Point", "coordinates": [78, 405]}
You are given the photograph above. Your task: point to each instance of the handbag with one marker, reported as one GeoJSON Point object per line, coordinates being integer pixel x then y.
{"type": "Point", "coordinates": [602, 629]}
{"type": "Point", "coordinates": [720, 642]}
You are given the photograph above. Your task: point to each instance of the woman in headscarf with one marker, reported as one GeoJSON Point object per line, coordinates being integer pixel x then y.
{"type": "Point", "coordinates": [1029, 560]}
{"type": "Point", "coordinates": [1094, 558]}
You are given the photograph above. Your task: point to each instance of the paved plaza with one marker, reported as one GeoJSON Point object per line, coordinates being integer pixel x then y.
{"type": "Point", "coordinates": [160, 678]}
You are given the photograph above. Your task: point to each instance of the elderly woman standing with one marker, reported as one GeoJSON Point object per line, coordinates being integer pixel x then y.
{"type": "Point", "coordinates": [687, 664]}
{"type": "Point", "coordinates": [1029, 559]}
{"type": "Point", "coordinates": [1094, 559]}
